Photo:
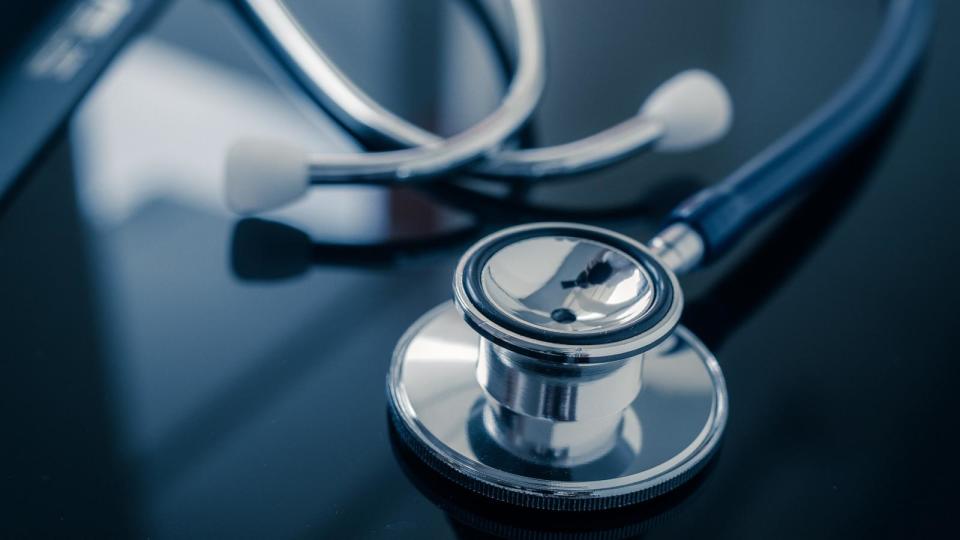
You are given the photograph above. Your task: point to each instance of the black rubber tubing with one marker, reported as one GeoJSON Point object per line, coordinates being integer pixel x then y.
{"type": "Point", "coordinates": [724, 212]}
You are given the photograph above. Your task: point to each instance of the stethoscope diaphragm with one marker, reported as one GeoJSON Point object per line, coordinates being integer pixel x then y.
{"type": "Point", "coordinates": [606, 404]}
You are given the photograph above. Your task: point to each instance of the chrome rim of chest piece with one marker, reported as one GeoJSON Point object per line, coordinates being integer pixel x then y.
{"type": "Point", "coordinates": [559, 378]}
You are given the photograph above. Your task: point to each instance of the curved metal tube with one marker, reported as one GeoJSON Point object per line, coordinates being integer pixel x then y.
{"type": "Point", "coordinates": [609, 146]}
{"type": "Point", "coordinates": [370, 122]}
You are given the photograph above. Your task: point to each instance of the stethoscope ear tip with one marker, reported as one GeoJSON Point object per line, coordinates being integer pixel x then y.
{"type": "Point", "coordinates": [263, 174]}
{"type": "Point", "coordinates": [694, 107]}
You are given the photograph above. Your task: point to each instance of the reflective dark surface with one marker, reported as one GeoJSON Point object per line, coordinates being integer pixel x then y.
{"type": "Point", "coordinates": [159, 378]}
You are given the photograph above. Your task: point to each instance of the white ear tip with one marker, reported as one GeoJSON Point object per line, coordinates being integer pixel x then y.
{"type": "Point", "coordinates": [695, 108]}
{"type": "Point", "coordinates": [264, 174]}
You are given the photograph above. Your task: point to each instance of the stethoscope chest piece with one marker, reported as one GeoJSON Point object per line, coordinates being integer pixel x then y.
{"type": "Point", "coordinates": [559, 377]}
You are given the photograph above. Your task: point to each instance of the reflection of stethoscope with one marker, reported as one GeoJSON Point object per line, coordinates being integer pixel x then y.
{"type": "Point", "coordinates": [559, 377]}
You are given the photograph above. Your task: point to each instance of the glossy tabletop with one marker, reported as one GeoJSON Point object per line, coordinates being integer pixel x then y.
{"type": "Point", "coordinates": [169, 370]}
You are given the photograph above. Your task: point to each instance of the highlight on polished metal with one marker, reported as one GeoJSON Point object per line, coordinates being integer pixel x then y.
{"type": "Point", "coordinates": [600, 287]}
{"type": "Point", "coordinates": [559, 377]}
{"type": "Point", "coordinates": [690, 110]}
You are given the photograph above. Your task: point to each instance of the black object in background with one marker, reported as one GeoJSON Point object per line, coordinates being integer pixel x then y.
{"type": "Point", "coordinates": [51, 52]}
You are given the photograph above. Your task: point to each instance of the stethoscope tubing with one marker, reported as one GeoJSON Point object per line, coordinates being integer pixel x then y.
{"type": "Point", "coordinates": [422, 155]}
{"type": "Point", "coordinates": [722, 213]}
{"type": "Point", "coordinates": [379, 128]}
{"type": "Point", "coordinates": [697, 231]}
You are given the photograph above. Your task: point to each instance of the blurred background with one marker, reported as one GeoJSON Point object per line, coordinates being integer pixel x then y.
{"type": "Point", "coordinates": [168, 370]}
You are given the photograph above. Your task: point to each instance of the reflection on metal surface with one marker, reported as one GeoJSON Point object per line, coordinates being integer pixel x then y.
{"type": "Point", "coordinates": [529, 299]}
{"type": "Point", "coordinates": [666, 435]}
{"type": "Point", "coordinates": [567, 284]}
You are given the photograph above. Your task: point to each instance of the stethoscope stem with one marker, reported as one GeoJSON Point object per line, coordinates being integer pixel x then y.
{"type": "Point", "coordinates": [632, 136]}
{"type": "Point", "coordinates": [678, 247]}
{"type": "Point", "coordinates": [723, 213]}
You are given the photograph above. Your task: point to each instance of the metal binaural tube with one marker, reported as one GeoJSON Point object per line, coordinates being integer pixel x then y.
{"type": "Point", "coordinates": [625, 139]}
{"type": "Point", "coordinates": [689, 110]}
{"type": "Point", "coordinates": [436, 156]}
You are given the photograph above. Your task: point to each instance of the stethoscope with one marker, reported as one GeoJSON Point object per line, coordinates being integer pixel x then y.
{"type": "Point", "coordinates": [559, 376]}
{"type": "Point", "coordinates": [690, 110]}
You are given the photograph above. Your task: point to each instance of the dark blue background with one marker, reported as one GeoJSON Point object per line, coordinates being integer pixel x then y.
{"type": "Point", "coordinates": [173, 372]}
